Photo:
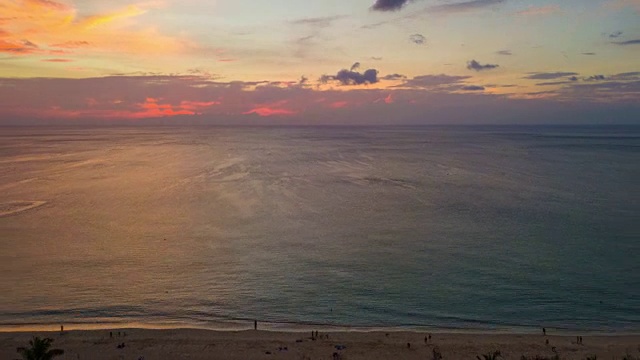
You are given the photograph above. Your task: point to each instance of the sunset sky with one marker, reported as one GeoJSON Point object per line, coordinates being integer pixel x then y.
{"type": "Point", "coordinates": [320, 62]}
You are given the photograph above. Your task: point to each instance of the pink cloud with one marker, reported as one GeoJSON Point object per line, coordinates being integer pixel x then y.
{"type": "Point", "coordinates": [267, 111]}
{"type": "Point", "coordinates": [338, 104]}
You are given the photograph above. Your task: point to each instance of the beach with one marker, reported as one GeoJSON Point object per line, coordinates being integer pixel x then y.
{"type": "Point", "coordinates": [250, 344]}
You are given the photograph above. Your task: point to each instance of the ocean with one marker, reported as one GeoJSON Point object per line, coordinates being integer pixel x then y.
{"type": "Point", "coordinates": [458, 228]}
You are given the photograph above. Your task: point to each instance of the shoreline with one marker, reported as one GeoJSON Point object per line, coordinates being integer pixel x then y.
{"type": "Point", "coordinates": [286, 327]}
{"type": "Point", "coordinates": [250, 344]}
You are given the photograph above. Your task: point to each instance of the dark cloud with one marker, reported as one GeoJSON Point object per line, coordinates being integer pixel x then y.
{"type": "Point", "coordinates": [389, 5]}
{"type": "Point", "coordinates": [504, 52]}
{"type": "Point", "coordinates": [595, 78]}
{"type": "Point", "coordinates": [549, 75]}
{"type": "Point", "coordinates": [550, 83]}
{"type": "Point", "coordinates": [615, 34]}
{"type": "Point", "coordinates": [464, 6]}
{"type": "Point", "coordinates": [634, 75]}
{"type": "Point", "coordinates": [474, 65]}
{"type": "Point", "coordinates": [352, 77]}
{"type": "Point", "coordinates": [355, 66]}
{"type": "Point", "coordinates": [433, 81]}
{"type": "Point", "coordinates": [393, 77]}
{"type": "Point", "coordinates": [573, 78]}
{"type": "Point", "coordinates": [418, 39]}
{"type": "Point", "coordinates": [628, 42]}
{"type": "Point", "coordinates": [303, 80]}
{"type": "Point", "coordinates": [588, 53]}
{"type": "Point", "coordinates": [473, 88]}
{"type": "Point", "coordinates": [376, 58]}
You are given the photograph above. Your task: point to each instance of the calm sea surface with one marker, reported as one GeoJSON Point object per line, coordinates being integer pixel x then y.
{"type": "Point", "coordinates": [444, 227]}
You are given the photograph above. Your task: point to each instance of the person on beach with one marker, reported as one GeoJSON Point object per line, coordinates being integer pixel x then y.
{"type": "Point", "coordinates": [255, 324]}
{"type": "Point", "coordinates": [544, 331]}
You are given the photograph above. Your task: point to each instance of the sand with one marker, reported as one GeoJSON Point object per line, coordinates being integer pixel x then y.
{"type": "Point", "coordinates": [251, 344]}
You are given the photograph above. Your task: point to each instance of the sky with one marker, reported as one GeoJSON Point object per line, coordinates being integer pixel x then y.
{"type": "Point", "coordinates": [325, 62]}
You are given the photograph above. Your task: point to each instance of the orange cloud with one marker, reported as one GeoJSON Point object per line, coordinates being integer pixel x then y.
{"type": "Point", "coordinates": [55, 25]}
{"type": "Point", "coordinates": [46, 4]}
{"type": "Point", "coordinates": [97, 20]}
{"type": "Point", "coordinates": [71, 44]}
{"type": "Point", "coordinates": [57, 60]}
{"type": "Point", "coordinates": [19, 47]}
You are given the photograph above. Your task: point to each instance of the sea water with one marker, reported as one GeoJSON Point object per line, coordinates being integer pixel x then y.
{"type": "Point", "coordinates": [436, 227]}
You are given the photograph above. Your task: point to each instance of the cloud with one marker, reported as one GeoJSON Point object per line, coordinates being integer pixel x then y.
{"type": "Point", "coordinates": [393, 77]}
{"type": "Point", "coordinates": [54, 25]}
{"type": "Point", "coordinates": [389, 5]}
{"type": "Point", "coordinates": [615, 34]}
{"type": "Point", "coordinates": [474, 65]}
{"type": "Point", "coordinates": [71, 44]}
{"type": "Point", "coordinates": [433, 81]}
{"type": "Point", "coordinates": [103, 19]}
{"type": "Point", "coordinates": [352, 77]}
{"type": "Point", "coordinates": [273, 109]}
{"type": "Point", "coordinates": [319, 22]}
{"type": "Point", "coordinates": [18, 47]}
{"type": "Point", "coordinates": [464, 6]}
{"type": "Point", "coordinates": [57, 60]}
{"type": "Point", "coordinates": [549, 75]}
{"type": "Point", "coordinates": [338, 104]}
{"type": "Point", "coordinates": [538, 11]}
{"type": "Point", "coordinates": [633, 75]}
{"type": "Point", "coordinates": [418, 39]}
{"type": "Point", "coordinates": [553, 83]}
{"type": "Point", "coordinates": [620, 4]}
{"type": "Point", "coordinates": [191, 99]}
{"type": "Point", "coordinates": [628, 42]}
{"type": "Point", "coordinates": [595, 78]}
{"type": "Point", "coordinates": [47, 4]}
{"type": "Point", "coordinates": [589, 53]}
{"type": "Point", "coordinates": [473, 88]}
{"type": "Point", "coordinates": [504, 52]}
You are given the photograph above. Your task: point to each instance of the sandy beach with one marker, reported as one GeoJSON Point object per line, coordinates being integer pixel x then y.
{"type": "Point", "coordinates": [250, 344]}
